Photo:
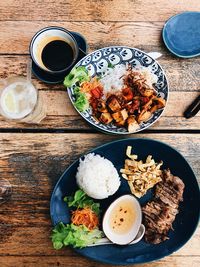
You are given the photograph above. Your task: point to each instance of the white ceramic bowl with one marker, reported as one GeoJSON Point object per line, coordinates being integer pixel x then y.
{"type": "Point", "coordinates": [122, 220]}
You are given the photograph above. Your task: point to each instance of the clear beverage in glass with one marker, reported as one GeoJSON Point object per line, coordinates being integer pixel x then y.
{"type": "Point", "coordinates": [20, 100]}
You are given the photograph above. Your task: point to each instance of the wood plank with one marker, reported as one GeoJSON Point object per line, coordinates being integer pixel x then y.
{"type": "Point", "coordinates": [26, 182]}
{"type": "Point", "coordinates": [39, 160]}
{"type": "Point", "coordinates": [62, 115]}
{"type": "Point", "coordinates": [77, 261]}
{"type": "Point", "coordinates": [70, 143]}
{"type": "Point", "coordinates": [34, 162]}
{"type": "Point", "coordinates": [32, 190]}
{"type": "Point", "coordinates": [24, 157]}
{"type": "Point", "coordinates": [92, 10]}
{"type": "Point", "coordinates": [183, 75]}
{"type": "Point", "coordinates": [99, 34]}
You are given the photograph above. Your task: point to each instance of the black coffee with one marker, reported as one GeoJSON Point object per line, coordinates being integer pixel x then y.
{"type": "Point", "coordinates": [57, 55]}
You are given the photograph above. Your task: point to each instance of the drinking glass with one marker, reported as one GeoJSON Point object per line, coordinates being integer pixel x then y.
{"type": "Point", "coordinates": [20, 100]}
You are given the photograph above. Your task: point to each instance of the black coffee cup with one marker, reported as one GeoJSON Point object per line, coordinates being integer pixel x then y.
{"type": "Point", "coordinates": [54, 50]}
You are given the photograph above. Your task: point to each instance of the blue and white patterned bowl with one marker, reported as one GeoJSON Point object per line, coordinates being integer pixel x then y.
{"type": "Point", "coordinates": [97, 63]}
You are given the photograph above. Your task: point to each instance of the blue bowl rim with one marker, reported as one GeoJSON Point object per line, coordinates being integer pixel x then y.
{"type": "Point", "coordinates": [164, 39]}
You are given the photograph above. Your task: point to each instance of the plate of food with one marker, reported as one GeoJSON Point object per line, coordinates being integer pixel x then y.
{"type": "Point", "coordinates": [118, 89]}
{"type": "Point", "coordinates": [134, 208]}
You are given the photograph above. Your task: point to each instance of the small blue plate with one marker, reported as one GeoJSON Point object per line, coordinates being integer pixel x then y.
{"type": "Point", "coordinates": [181, 34]}
{"type": "Point", "coordinates": [184, 225]}
{"type": "Point", "coordinates": [59, 78]}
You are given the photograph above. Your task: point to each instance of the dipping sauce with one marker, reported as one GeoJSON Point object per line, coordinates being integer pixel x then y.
{"type": "Point", "coordinates": [122, 220]}
{"type": "Point", "coordinates": [122, 216]}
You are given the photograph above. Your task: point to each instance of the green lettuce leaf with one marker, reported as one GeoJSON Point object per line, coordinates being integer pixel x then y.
{"type": "Point", "coordinates": [81, 200]}
{"type": "Point", "coordinates": [59, 233]}
{"type": "Point", "coordinates": [81, 102]}
{"type": "Point", "coordinates": [79, 74]}
{"type": "Point", "coordinates": [72, 235]}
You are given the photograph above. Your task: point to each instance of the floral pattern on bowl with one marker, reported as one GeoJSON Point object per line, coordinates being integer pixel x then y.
{"type": "Point", "coordinates": [97, 63]}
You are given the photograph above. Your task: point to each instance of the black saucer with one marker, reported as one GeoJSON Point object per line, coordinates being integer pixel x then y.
{"type": "Point", "coordinates": [58, 78]}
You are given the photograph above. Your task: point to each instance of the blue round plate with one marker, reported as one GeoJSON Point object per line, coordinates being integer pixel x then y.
{"type": "Point", "coordinates": [97, 63]}
{"type": "Point", "coordinates": [184, 225]}
{"type": "Point", "coordinates": [181, 34]}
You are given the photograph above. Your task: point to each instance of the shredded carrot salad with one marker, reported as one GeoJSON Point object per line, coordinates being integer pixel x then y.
{"type": "Point", "coordinates": [86, 87]}
{"type": "Point", "coordinates": [85, 217]}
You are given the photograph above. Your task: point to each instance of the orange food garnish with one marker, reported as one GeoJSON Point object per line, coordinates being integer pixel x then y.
{"type": "Point", "coordinates": [86, 87]}
{"type": "Point", "coordinates": [85, 217]}
{"type": "Point", "coordinates": [97, 92]}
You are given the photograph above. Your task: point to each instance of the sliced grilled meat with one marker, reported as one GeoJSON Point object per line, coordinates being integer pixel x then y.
{"type": "Point", "coordinates": [160, 212]}
{"type": "Point", "coordinates": [154, 238]}
{"type": "Point", "coordinates": [174, 182]}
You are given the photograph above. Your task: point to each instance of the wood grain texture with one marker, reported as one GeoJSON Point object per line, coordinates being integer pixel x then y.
{"type": "Point", "coordinates": [183, 75]}
{"type": "Point", "coordinates": [33, 163]}
{"type": "Point", "coordinates": [144, 35]}
{"type": "Point", "coordinates": [77, 261]}
{"type": "Point", "coordinates": [94, 10]}
{"type": "Point", "coordinates": [62, 115]}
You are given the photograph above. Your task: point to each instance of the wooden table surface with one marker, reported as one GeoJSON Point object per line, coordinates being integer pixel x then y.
{"type": "Point", "coordinates": [32, 157]}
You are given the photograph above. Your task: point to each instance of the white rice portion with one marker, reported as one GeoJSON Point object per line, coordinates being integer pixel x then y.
{"type": "Point", "coordinates": [112, 80]}
{"type": "Point", "coordinates": [150, 77]}
{"type": "Point", "coordinates": [97, 176]}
